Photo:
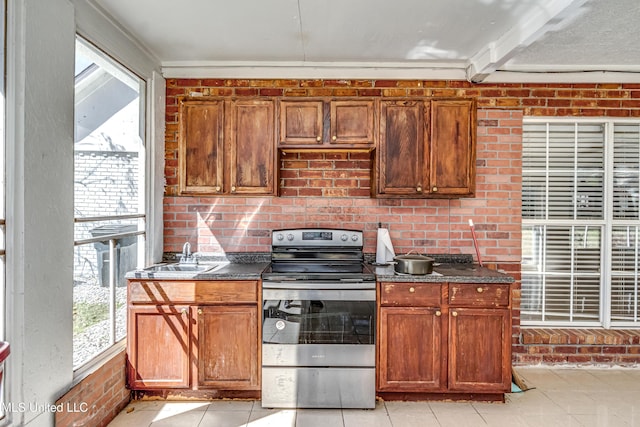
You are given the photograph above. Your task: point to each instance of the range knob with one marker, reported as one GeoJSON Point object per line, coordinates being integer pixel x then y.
{"type": "Point", "coordinates": [354, 237]}
{"type": "Point", "coordinates": [344, 237]}
{"type": "Point", "coordinates": [289, 237]}
{"type": "Point", "coordinates": [280, 236]}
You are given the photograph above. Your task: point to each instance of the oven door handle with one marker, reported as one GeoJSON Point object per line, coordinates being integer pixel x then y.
{"type": "Point", "coordinates": [320, 294]}
{"type": "Point", "coordinates": [346, 284]}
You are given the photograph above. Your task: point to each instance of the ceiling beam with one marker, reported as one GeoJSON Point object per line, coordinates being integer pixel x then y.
{"type": "Point", "coordinates": [531, 27]}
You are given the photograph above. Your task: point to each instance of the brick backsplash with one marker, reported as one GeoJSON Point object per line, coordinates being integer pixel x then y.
{"type": "Point", "coordinates": [332, 190]}
{"type": "Point", "coordinates": [326, 174]}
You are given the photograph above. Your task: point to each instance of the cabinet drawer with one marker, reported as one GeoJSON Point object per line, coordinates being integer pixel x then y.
{"type": "Point", "coordinates": [236, 291]}
{"type": "Point", "coordinates": [478, 295]}
{"type": "Point", "coordinates": [410, 294]}
{"type": "Point", "coordinates": [198, 292]}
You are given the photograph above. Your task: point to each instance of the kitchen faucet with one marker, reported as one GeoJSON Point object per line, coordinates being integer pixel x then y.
{"type": "Point", "coordinates": [187, 257]}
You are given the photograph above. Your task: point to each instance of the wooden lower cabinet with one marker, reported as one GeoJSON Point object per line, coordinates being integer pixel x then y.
{"type": "Point", "coordinates": [480, 348]}
{"type": "Point", "coordinates": [158, 347]}
{"type": "Point", "coordinates": [417, 367]}
{"type": "Point", "coordinates": [209, 341]}
{"type": "Point", "coordinates": [444, 339]}
{"type": "Point", "coordinates": [227, 347]}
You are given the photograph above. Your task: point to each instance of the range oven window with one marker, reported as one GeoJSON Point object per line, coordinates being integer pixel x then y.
{"type": "Point", "coordinates": [318, 321]}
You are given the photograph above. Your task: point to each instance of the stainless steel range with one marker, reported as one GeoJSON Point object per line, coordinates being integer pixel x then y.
{"type": "Point", "coordinates": [318, 321]}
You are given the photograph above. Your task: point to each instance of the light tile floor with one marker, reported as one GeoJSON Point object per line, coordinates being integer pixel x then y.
{"type": "Point", "coordinates": [563, 397]}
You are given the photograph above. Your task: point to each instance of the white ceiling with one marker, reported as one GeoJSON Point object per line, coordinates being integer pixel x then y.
{"type": "Point", "coordinates": [478, 40]}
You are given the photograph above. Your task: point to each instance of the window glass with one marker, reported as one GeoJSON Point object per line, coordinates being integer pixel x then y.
{"type": "Point", "coordinates": [626, 172]}
{"type": "Point", "coordinates": [568, 218]}
{"type": "Point", "coordinates": [108, 194]}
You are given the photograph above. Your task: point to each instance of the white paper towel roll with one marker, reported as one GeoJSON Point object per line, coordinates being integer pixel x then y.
{"type": "Point", "coordinates": [384, 250]}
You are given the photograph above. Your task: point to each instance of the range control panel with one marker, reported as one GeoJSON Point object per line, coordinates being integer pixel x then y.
{"type": "Point", "coordinates": [316, 237]}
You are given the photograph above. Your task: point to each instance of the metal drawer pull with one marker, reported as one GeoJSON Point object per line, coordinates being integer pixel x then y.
{"type": "Point", "coordinates": [454, 314]}
{"type": "Point", "coordinates": [183, 311]}
{"type": "Point", "coordinates": [480, 290]}
{"type": "Point", "coordinates": [438, 313]}
{"type": "Point", "coordinates": [412, 289]}
{"type": "Point", "coordinates": [199, 311]}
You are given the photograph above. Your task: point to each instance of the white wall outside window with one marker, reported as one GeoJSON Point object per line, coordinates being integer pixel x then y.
{"type": "Point", "coordinates": [581, 222]}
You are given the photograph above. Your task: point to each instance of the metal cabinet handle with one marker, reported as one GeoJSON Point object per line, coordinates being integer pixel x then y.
{"type": "Point", "coordinates": [183, 311]}
{"type": "Point", "coordinates": [318, 138]}
{"type": "Point", "coordinates": [435, 189]}
{"type": "Point", "coordinates": [454, 314]}
{"type": "Point", "coordinates": [419, 188]}
{"type": "Point", "coordinates": [334, 138]}
{"type": "Point", "coordinates": [438, 313]}
{"type": "Point", "coordinates": [199, 311]}
{"type": "Point", "coordinates": [412, 289]}
{"type": "Point", "coordinates": [480, 290]}
{"type": "Point", "coordinates": [218, 188]}
{"type": "Point", "coordinates": [233, 189]}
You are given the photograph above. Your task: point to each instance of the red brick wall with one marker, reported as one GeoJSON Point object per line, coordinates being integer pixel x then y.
{"type": "Point", "coordinates": [578, 346]}
{"type": "Point", "coordinates": [232, 224]}
{"type": "Point", "coordinates": [333, 189]}
{"type": "Point", "coordinates": [326, 175]}
{"type": "Point", "coordinates": [97, 399]}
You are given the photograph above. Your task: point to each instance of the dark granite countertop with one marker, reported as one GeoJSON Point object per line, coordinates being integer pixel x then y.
{"type": "Point", "coordinates": [446, 272]}
{"type": "Point", "coordinates": [250, 267]}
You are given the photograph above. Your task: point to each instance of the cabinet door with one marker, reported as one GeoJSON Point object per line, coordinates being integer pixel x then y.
{"type": "Point", "coordinates": [252, 147]}
{"type": "Point", "coordinates": [402, 158]}
{"type": "Point", "coordinates": [480, 350]}
{"type": "Point", "coordinates": [158, 347]}
{"type": "Point", "coordinates": [227, 355]}
{"type": "Point", "coordinates": [301, 122]}
{"type": "Point", "coordinates": [201, 147]}
{"type": "Point", "coordinates": [452, 149]}
{"type": "Point", "coordinates": [352, 122]}
{"type": "Point", "coordinates": [410, 350]}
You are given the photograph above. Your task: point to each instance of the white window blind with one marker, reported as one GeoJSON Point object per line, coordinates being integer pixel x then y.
{"type": "Point", "coordinates": [580, 223]}
{"type": "Point", "coordinates": [625, 229]}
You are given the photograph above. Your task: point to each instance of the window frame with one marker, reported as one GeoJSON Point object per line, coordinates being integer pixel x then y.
{"type": "Point", "coordinates": [117, 345]}
{"type": "Point", "coordinates": [606, 225]}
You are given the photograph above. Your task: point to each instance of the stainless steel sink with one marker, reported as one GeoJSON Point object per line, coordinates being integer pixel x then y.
{"type": "Point", "coordinates": [179, 267]}
{"type": "Point", "coordinates": [183, 268]}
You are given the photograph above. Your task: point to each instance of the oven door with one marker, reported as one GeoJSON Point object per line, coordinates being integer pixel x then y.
{"type": "Point", "coordinates": [318, 327]}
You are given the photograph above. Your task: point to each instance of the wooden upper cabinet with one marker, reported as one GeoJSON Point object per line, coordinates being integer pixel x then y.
{"type": "Point", "coordinates": [301, 122]}
{"type": "Point", "coordinates": [201, 147]}
{"type": "Point", "coordinates": [426, 148]}
{"type": "Point", "coordinates": [402, 157]}
{"type": "Point", "coordinates": [327, 124]}
{"type": "Point", "coordinates": [453, 147]}
{"type": "Point", "coordinates": [352, 122]}
{"type": "Point", "coordinates": [252, 156]}
{"type": "Point", "coordinates": [227, 147]}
